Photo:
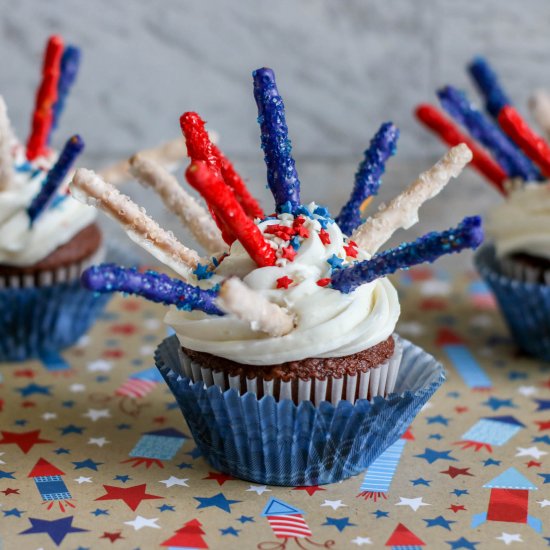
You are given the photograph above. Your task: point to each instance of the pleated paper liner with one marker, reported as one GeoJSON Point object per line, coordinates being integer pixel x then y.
{"type": "Point", "coordinates": [281, 443]}
{"type": "Point", "coordinates": [524, 305]}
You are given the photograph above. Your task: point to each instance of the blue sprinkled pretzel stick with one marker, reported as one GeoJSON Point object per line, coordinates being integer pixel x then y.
{"type": "Point", "coordinates": [514, 163]}
{"type": "Point", "coordinates": [368, 176]}
{"type": "Point", "coordinates": [487, 82]}
{"type": "Point", "coordinates": [55, 177]}
{"type": "Point", "coordinates": [70, 63]}
{"type": "Point", "coordinates": [151, 285]}
{"type": "Point", "coordinates": [468, 234]}
{"type": "Point", "coordinates": [282, 177]}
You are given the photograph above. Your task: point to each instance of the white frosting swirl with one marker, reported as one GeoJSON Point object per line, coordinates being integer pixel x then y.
{"type": "Point", "coordinates": [328, 322]}
{"type": "Point", "coordinates": [22, 244]}
{"type": "Point", "coordinates": [522, 222]}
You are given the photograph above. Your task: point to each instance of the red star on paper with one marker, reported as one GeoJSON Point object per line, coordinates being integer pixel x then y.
{"type": "Point", "coordinates": [25, 440]}
{"type": "Point", "coordinates": [28, 404]}
{"type": "Point", "coordinates": [460, 410]}
{"type": "Point", "coordinates": [284, 282]}
{"type": "Point", "coordinates": [159, 419]}
{"type": "Point", "coordinates": [325, 237]}
{"type": "Point", "coordinates": [111, 536]}
{"type": "Point", "coordinates": [124, 328]}
{"type": "Point", "coordinates": [131, 305]}
{"type": "Point", "coordinates": [24, 373]}
{"type": "Point", "coordinates": [310, 490]}
{"type": "Point", "coordinates": [532, 463]}
{"type": "Point", "coordinates": [433, 304]}
{"type": "Point", "coordinates": [543, 425]}
{"type": "Point", "coordinates": [112, 354]}
{"type": "Point", "coordinates": [455, 472]}
{"type": "Point", "coordinates": [132, 496]}
{"type": "Point", "coordinates": [456, 507]}
{"type": "Point", "coordinates": [10, 491]}
{"type": "Point", "coordinates": [219, 477]}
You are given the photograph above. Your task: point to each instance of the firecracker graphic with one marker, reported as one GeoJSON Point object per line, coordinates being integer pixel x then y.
{"type": "Point", "coordinates": [480, 296]}
{"type": "Point", "coordinates": [189, 537]}
{"type": "Point", "coordinates": [288, 524]}
{"type": "Point", "coordinates": [377, 480]}
{"type": "Point", "coordinates": [155, 446]}
{"type": "Point", "coordinates": [489, 432]}
{"type": "Point", "coordinates": [404, 539]}
{"type": "Point", "coordinates": [463, 361]}
{"type": "Point", "coordinates": [509, 500]}
{"type": "Point", "coordinates": [50, 485]}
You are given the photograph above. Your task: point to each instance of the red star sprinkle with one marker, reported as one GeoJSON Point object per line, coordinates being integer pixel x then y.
{"type": "Point", "coordinates": [325, 237]}
{"type": "Point", "coordinates": [25, 440]}
{"type": "Point", "coordinates": [351, 249]}
{"type": "Point", "coordinates": [281, 231]}
{"type": "Point", "coordinates": [301, 231]}
{"type": "Point", "coordinates": [543, 425]}
{"type": "Point", "coordinates": [310, 490]}
{"type": "Point", "coordinates": [455, 472]}
{"type": "Point", "coordinates": [289, 253]}
{"type": "Point", "coordinates": [132, 496]}
{"type": "Point", "coordinates": [532, 463]}
{"type": "Point", "coordinates": [219, 477]}
{"type": "Point", "coordinates": [10, 491]}
{"type": "Point", "coordinates": [456, 507]}
{"type": "Point", "coordinates": [284, 282]}
{"type": "Point", "coordinates": [112, 536]}
{"type": "Point", "coordinates": [323, 282]}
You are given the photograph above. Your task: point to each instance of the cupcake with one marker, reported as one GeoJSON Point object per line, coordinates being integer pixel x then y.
{"type": "Point", "coordinates": [515, 262]}
{"type": "Point", "coordinates": [285, 362]}
{"type": "Point", "coordinates": [46, 238]}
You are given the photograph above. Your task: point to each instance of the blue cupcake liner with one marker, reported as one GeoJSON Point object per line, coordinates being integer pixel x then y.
{"type": "Point", "coordinates": [525, 306]}
{"type": "Point", "coordinates": [280, 443]}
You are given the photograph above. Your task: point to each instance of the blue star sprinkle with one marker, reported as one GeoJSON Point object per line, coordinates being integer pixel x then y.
{"type": "Point", "coordinates": [335, 262]}
{"type": "Point", "coordinates": [219, 501]}
{"type": "Point", "coordinates": [431, 456]}
{"type": "Point", "coordinates": [202, 272]}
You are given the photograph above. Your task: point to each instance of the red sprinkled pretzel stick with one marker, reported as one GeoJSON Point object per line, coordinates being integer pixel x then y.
{"type": "Point", "coordinates": [224, 203]}
{"type": "Point", "coordinates": [46, 96]}
{"type": "Point", "coordinates": [451, 135]}
{"type": "Point", "coordinates": [530, 143]}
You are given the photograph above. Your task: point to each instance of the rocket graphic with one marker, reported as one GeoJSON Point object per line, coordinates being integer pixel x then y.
{"type": "Point", "coordinates": [509, 500]}
{"type": "Point", "coordinates": [377, 480]}
{"type": "Point", "coordinates": [489, 432]}
{"type": "Point", "coordinates": [404, 539]}
{"type": "Point", "coordinates": [189, 537]}
{"type": "Point", "coordinates": [155, 446]}
{"type": "Point", "coordinates": [462, 360]}
{"type": "Point", "coordinates": [51, 487]}
{"type": "Point", "coordinates": [288, 524]}
{"type": "Point", "coordinates": [481, 296]}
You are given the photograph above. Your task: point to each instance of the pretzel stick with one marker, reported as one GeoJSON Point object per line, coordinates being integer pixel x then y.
{"type": "Point", "coordinates": [539, 104]}
{"type": "Point", "coordinates": [6, 140]}
{"type": "Point", "coordinates": [264, 316]}
{"type": "Point", "coordinates": [193, 216]}
{"type": "Point", "coordinates": [402, 211]}
{"type": "Point", "coordinates": [91, 189]}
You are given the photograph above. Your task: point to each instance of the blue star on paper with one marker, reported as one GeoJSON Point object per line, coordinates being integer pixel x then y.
{"type": "Point", "coordinates": [543, 404]}
{"type": "Point", "coordinates": [230, 531]}
{"type": "Point", "coordinates": [13, 512]}
{"type": "Point", "coordinates": [439, 521]}
{"type": "Point", "coordinates": [381, 514]}
{"type": "Point", "coordinates": [453, 394]}
{"type": "Point", "coordinates": [124, 426]}
{"type": "Point", "coordinates": [62, 451]}
{"type": "Point", "coordinates": [517, 375]}
{"type": "Point", "coordinates": [67, 404]}
{"type": "Point", "coordinates": [219, 501]}
{"type": "Point", "coordinates": [246, 519]}
{"type": "Point", "coordinates": [495, 403]}
{"type": "Point", "coordinates": [57, 529]}
{"type": "Point", "coordinates": [542, 439]}
{"type": "Point", "coordinates": [460, 492]}
{"type": "Point", "coordinates": [339, 523]}
{"type": "Point", "coordinates": [421, 481]}
{"type": "Point", "coordinates": [547, 539]}
{"type": "Point", "coordinates": [491, 462]}
{"type": "Point", "coordinates": [21, 422]}
{"type": "Point", "coordinates": [435, 436]}
{"type": "Point", "coordinates": [184, 465]}
{"type": "Point", "coordinates": [439, 419]}
{"type": "Point", "coordinates": [100, 512]}
{"type": "Point", "coordinates": [6, 475]}
{"type": "Point", "coordinates": [32, 388]}
{"type": "Point", "coordinates": [166, 508]}
{"type": "Point", "coordinates": [71, 429]}
{"type": "Point", "coordinates": [335, 262]}
{"type": "Point", "coordinates": [546, 478]}
{"type": "Point", "coordinates": [88, 463]}
{"type": "Point", "coordinates": [124, 478]}
{"type": "Point", "coordinates": [431, 456]}
{"type": "Point", "coordinates": [462, 543]}
{"type": "Point", "coordinates": [195, 453]}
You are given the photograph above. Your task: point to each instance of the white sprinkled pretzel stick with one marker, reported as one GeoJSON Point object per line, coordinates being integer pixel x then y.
{"type": "Point", "coordinates": [6, 140]}
{"type": "Point", "coordinates": [91, 189]}
{"type": "Point", "coordinates": [402, 211]}
{"type": "Point", "coordinates": [150, 173]}
{"type": "Point", "coordinates": [539, 103]}
{"type": "Point", "coordinates": [264, 316]}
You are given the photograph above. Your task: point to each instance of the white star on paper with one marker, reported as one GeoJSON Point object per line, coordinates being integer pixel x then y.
{"type": "Point", "coordinates": [83, 341]}
{"type": "Point", "coordinates": [140, 522]}
{"type": "Point", "coordinates": [414, 503]}
{"type": "Point", "coordinates": [258, 489]}
{"type": "Point", "coordinates": [172, 480]}
{"type": "Point", "coordinates": [435, 288]}
{"type": "Point", "coordinates": [508, 538]}
{"type": "Point", "coordinates": [334, 504]}
{"type": "Point", "coordinates": [96, 414]}
{"type": "Point", "coordinates": [411, 328]}
{"type": "Point", "coordinates": [361, 540]}
{"type": "Point", "coordinates": [151, 324]}
{"type": "Point", "coordinates": [1, 461]}
{"type": "Point", "coordinates": [527, 390]}
{"type": "Point", "coordinates": [426, 406]}
{"type": "Point", "coordinates": [481, 321]}
{"type": "Point", "coordinates": [543, 503]}
{"type": "Point", "coordinates": [535, 452]}
{"type": "Point", "coordinates": [99, 441]}
{"type": "Point", "coordinates": [77, 388]}
{"type": "Point", "coordinates": [99, 366]}
{"type": "Point", "coordinates": [147, 350]}
{"type": "Point", "coordinates": [83, 479]}
{"type": "Point", "coordinates": [49, 416]}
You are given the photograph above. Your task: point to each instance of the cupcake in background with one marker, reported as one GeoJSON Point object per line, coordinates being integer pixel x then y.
{"type": "Point", "coordinates": [285, 363]}
{"type": "Point", "coordinates": [46, 238]}
{"type": "Point", "coordinates": [515, 262]}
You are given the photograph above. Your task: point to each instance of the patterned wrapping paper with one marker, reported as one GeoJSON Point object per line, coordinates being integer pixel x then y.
{"type": "Point", "coordinates": [95, 453]}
